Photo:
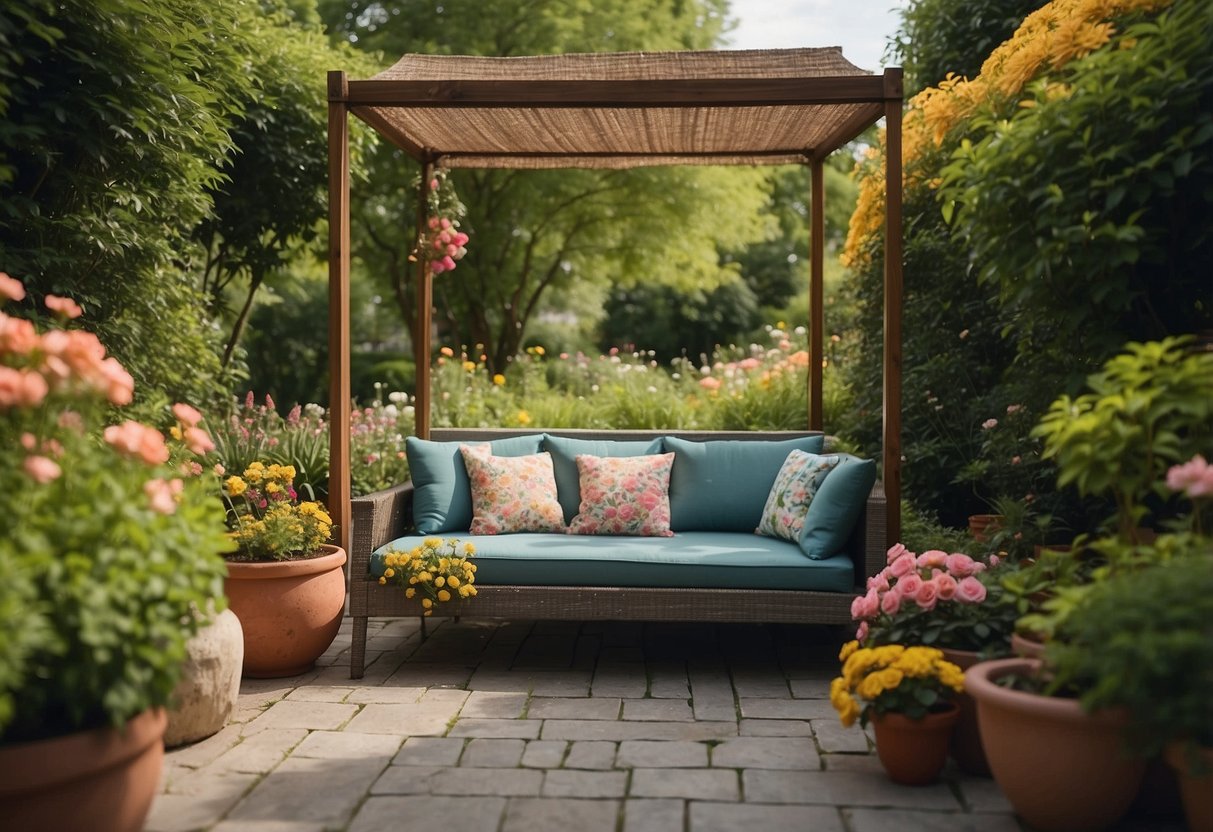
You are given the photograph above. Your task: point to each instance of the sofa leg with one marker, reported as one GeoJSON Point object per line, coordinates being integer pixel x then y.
{"type": "Point", "coordinates": [358, 648]}
{"type": "Point", "coordinates": [424, 633]}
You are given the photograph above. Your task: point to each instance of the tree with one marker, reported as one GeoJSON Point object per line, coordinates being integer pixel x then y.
{"type": "Point", "coordinates": [534, 232]}
{"type": "Point", "coordinates": [112, 128]}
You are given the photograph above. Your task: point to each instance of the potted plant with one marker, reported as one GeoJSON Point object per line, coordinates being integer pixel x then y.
{"type": "Point", "coordinates": [951, 601]}
{"type": "Point", "coordinates": [110, 552]}
{"type": "Point", "coordinates": [908, 694]}
{"type": "Point", "coordinates": [285, 582]}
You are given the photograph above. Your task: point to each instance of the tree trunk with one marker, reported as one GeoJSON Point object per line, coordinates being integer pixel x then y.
{"type": "Point", "coordinates": [242, 319]}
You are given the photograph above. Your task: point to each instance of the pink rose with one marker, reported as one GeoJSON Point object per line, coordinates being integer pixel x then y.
{"type": "Point", "coordinates": [932, 558]}
{"type": "Point", "coordinates": [137, 440]}
{"type": "Point", "coordinates": [21, 388]}
{"type": "Point", "coordinates": [861, 632]}
{"type": "Point", "coordinates": [857, 607]}
{"type": "Point", "coordinates": [198, 441]}
{"type": "Point", "coordinates": [879, 582]}
{"type": "Point", "coordinates": [162, 495]}
{"type": "Point", "coordinates": [1194, 477]}
{"type": "Point", "coordinates": [945, 586]}
{"type": "Point", "coordinates": [41, 469]}
{"type": "Point", "coordinates": [66, 307]}
{"type": "Point", "coordinates": [17, 335]}
{"type": "Point", "coordinates": [11, 288]}
{"type": "Point", "coordinates": [895, 551]}
{"type": "Point", "coordinates": [926, 595]}
{"type": "Point", "coordinates": [909, 585]}
{"type": "Point", "coordinates": [186, 415]}
{"type": "Point", "coordinates": [961, 565]}
{"type": "Point", "coordinates": [970, 590]}
{"type": "Point", "coordinates": [890, 603]}
{"type": "Point", "coordinates": [904, 565]}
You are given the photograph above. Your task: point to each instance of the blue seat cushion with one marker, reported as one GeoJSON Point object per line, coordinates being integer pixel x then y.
{"type": "Point", "coordinates": [564, 452]}
{"type": "Point", "coordinates": [706, 560]}
{"type": "Point", "coordinates": [722, 485]}
{"type": "Point", "coordinates": [442, 496]}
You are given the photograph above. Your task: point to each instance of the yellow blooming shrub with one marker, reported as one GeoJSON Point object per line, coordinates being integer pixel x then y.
{"type": "Point", "coordinates": [266, 518]}
{"type": "Point", "coordinates": [438, 570]}
{"type": "Point", "coordinates": [1048, 39]}
{"type": "Point", "coordinates": [892, 679]}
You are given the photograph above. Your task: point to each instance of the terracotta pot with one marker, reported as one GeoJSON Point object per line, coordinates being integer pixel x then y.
{"type": "Point", "coordinates": [966, 747]}
{"type": "Point", "coordinates": [1063, 770]}
{"type": "Point", "coordinates": [913, 751]}
{"type": "Point", "coordinates": [1195, 786]}
{"type": "Point", "coordinates": [983, 526]}
{"type": "Point", "coordinates": [1026, 647]}
{"type": "Point", "coordinates": [104, 779]}
{"type": "Point", "coordinates": [289, 610]}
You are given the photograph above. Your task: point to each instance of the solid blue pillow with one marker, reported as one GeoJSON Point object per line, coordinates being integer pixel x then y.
{"type": "Point", "coordinates": [442, 496]}
{"type": "Point", "coordinates": [836, 507]}
{"type": "Point", "coordinates": [564, 452]}
{"type": "Point", "coordinates": [722, 485]}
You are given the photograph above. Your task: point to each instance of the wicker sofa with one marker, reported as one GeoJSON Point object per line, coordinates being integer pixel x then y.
{"type": "Point", "coordinates": [743, 594]}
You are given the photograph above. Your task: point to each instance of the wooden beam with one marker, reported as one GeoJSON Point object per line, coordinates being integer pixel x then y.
{"type": "Point", "coordinates": [893, 291]}
{"type": "Point", "coordinates": [563, 94]}
{"type": "Point", "coordinates": [425, 314]}
{"type": "Point", "coordinates": [816, 292]}
{"type": "Point", "coordinates": [339, 309]}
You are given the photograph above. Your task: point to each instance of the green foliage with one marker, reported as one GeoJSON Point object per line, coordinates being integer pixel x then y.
{"type": "Point", "coordinates": [1089, 210]}
{"type": "Point", "coordinates": [937, 37]}
{"type": "Point", "coordinates": [1151, 408]}
{"type": "Point", "coordinates": [112, 129]}
{"type": "Point", "coordinates": [1144, 641]}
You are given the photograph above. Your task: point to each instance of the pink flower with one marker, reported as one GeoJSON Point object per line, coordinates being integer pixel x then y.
{"type": "Point", "coordinates": [857, 607]}
{"type": "Point", "coordinates": [65, 307]}
{"type": "Point", "coordinates": [926, 595]}
{"type": "Point", "coordinates": [861, 632]}
{"type": "Point", "coordinates": [444, 222]}
{"type": "Point", "coordinates": [895, 551]}
{"type": "Point", "coordinates": [961, 565]}
{"type": "Point", "coordinates": [1015, 460]}
{"type": "Point", "coordinates": [17, 335]}
{"type": "Point", "coordinates": [433, 184]}
{"type": "Point", "coordinates": [989, 423]}
{"type": "Point", "coordinates": [970, 590]}
{"type": "Point", "coordinates": [932, 558]}
{"type": "Point", "coordinates": [21, 388]}
{"type": "Point", "coordinates": [709, 383]}
{"type": "Point", "coordinates": [909, 585]}
{"type": "Point", "coordinates": [437, 267]}
{"type": "Point", "coordinates": [890, 603]}
{"type": "Point", "coordinates": [186, 415]}
{"type": "Point", "coordinates": [448, 263]}
{"type": "Point", "coordinates": [903, 566]}
{"type": "Point", "coordinates": [945, 586]}
{"type": "Point", "coordinates": [432, 223]}
{"type": "Point", "coordinates": [11, 288]}
{"type": "Point", "coordinates": [1194, 477]}
{"type": "Point", "coordinates": [994, 561]}
{"type": "Point", "coordinates": [879, 581]}
{"type": "Point", "coordinates": [41, 469]}
{"type": "Point", "coordinates": [119, 386]}
{"type": "Point", "coordinates": [219, 470]}
{"type": "Point", "coordinates": [460, 239]}
{"type": "Point", "coordinates": [138, 440]}
{"type": "Point", "coordinates": [162, 494]}
{"type": "Point", "coordinates": [198, 441]}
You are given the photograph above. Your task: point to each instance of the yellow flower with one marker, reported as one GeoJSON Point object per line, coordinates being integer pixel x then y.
{"type": "Point", "coordinates": [431, 542]}
{"type": "Point", "coordinates": [440, 581]}
{"type": "Point", "coordinates": [410, 592]}
{"type": "Point", "coordinates": [469, 549]}
{"type": "Point", "coordinates": [272, 488]}
{"type": "Point", "coordinates": [389, 573]}
{"type": "Point", "coordinates": [427, 603]}
{"type": "Point", "coordinates": [847, 649]}
{"type": "Point", "coordinates": [443, 595]}
{"type": "Point", "coordinates": [452, 582]}
{"type": "Point", "coordinates": [524, 418]}
{"type": "Point", "coordinates": [175, 432]}
{"type": "Point", "coordinates": [469, 366]}
{"type": "Point", "coordinates": [383, 581]}
{"type": "Point", "coordinates": [465, 590]}
{"type": "Point", "coordinates": [235, 486]}
{"type": "Point", "coordinates": [498, 379]}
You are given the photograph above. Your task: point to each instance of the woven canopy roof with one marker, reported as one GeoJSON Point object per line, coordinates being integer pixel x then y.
{"type": "Point", "coordinates": [618, 110]}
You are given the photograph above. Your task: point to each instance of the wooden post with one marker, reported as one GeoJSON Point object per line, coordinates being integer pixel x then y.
{"type": "Point", "coordinates": [425, 313]}
{"type": "Point", "coordinates": [816, 293]}
{"type": "Point", "coordinates": [893, 291]}
{"type": "Point", "coordinates": [339, 308]}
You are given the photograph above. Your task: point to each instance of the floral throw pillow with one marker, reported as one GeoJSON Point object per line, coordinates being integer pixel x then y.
{"type": "Point", "coordinates": [795, 486]}
{"type": "Point", "coordinates": [512, 494]}
{"type": "Point", "coordinates": [627, 495]}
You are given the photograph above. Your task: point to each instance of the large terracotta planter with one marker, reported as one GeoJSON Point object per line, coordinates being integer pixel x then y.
{"type": "Point", "coordinates": [966, 748]}
{"type": "Point", "coordinates": [913, 751]}
{"type": "Point", "coordinates": [103, 780]}
{"type": "Point", "coordinates": [1063, 770]}
{"type": "Point", "coordinates": [1195, 786]}
{"type": "Point", "coordinates": [289, 610]}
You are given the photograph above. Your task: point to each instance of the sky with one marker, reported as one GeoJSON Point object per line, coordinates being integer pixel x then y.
{"type": "Point", "coordinates": [860, 27]}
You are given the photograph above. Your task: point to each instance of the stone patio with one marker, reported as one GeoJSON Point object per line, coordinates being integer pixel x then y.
{"type": "Point", "coordinates": [555, 726]}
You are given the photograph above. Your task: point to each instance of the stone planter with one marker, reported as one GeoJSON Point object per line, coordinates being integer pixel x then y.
{"type": "Point", "coordinates": [102, 780]}
{"type": "Point", "coordinates": [290, 610]}
{"type": "Point", "coordinates": [210, 681]}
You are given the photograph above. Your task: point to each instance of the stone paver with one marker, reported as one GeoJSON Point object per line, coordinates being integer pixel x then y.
{"type": "Point", "coordinates": [688, 783]}
{"type": "Point", "coordinates": [561, 815]}
{"type": "Point", "coordinates": [571, 726]}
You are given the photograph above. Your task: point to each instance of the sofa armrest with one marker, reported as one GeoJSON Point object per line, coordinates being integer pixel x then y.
{"type": "Point", "coordinates": [868, 541]}
{"type": "Point", "coordinates": [378, 518]}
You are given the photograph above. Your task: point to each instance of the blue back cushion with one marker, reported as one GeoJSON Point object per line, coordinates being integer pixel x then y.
{"type": "Point", "coordinates": [442, 499]}
{"type": "Point", "coordinates": [564, 462]}
{"type": "Point", "coordinates": [723, 485]}
{"type": "Point", "coordinates": [836, 507]}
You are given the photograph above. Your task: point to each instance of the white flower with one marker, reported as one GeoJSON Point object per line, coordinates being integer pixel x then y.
{"type": "Point", "coordinates": [800, 330]}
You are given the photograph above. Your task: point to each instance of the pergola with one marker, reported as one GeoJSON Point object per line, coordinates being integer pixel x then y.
{"type": "Point", "coordinates": [616, 110]}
